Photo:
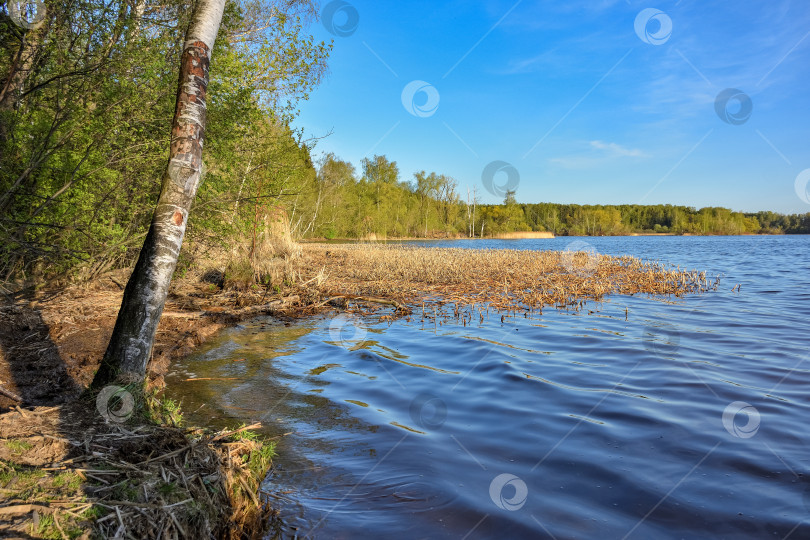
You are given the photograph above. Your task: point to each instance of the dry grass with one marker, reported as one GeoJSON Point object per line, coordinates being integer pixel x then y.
{"type": "Point", "coordinates": [506, 279]}
{"type": "Point", "coordinates": [66, 473]}
{"type": "Point", "coordinates": [133, 480]}
{"type": "Point", "coordinates": [269, 259]}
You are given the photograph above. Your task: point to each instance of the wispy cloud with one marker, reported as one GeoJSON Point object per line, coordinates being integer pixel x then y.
{"type": "Point", "coordinates": [598, 154]}
{"type": "Point", "coordinates": [617, 149]}
{"type": "Point", "coordinates": [709, 54]}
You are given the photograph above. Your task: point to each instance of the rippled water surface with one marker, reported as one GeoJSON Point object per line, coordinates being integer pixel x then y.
{"type": "Point", "coordinates": [647, 418]}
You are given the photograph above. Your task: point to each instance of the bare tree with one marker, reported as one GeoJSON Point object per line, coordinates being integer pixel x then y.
{"type": "Point", "coordinates": [131, 343]}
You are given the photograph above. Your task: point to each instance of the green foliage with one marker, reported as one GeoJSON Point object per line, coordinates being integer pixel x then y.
{"type": "Point", "coordinates": [46, 528]}
{"type": "Point", "coordinates": [68, 480]}
{"type": "Point", "coordinates": [125, 491]}
{"type": "Point", "coordinates": [17, 447]}
{"type": "Point", "coordinates": [244, 434]}
{"type": "Point", "coordinates": [84, 129]}
{"type": "Point", "coordinates": [19, 481]}
{"type": "Point", "coordinates": [262, 453]}
{"type": "Point", "coordinates": [168, 489]}
{"type": "Point", "coordinates": [509, 199]}
{"type": "Point", "coordinates": [261, 459]}
{"type": "Point", "coordinates": [598, 220]}
{"type": "Point", "coordinates": [379, 205]}
{"type": "Point", "coordinates": [162, 410]}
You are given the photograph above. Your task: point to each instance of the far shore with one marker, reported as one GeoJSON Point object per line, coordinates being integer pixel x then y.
{"type": "Point", "coordinates": [520, 235]}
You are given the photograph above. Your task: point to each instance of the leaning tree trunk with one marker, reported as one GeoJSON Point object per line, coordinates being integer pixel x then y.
{"type": "Point", "coordinates": [131, 343]}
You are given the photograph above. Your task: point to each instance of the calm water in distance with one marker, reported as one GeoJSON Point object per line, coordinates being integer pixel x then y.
{"type": "Point", "coordinates": [689, 419]}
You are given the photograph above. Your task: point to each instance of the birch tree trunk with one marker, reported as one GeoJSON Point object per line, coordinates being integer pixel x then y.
{"type": "Point", "coordinates": [131, 343]}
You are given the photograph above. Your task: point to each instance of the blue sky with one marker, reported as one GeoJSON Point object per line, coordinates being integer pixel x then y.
{"type": "Point", "coordinates": [584, 107]}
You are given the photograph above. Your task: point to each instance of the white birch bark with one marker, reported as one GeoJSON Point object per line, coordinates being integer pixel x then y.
{"type": "Point", "coordinates": [131, 344]}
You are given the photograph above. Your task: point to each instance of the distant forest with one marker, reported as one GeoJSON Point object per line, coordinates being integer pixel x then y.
{"type": "Point", "coordinates": [573, 219]}
{"type": "Point", "coordinates": [376, 203]}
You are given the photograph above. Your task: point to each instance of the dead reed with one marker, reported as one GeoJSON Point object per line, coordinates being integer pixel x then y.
{"type": "Point", "coordinates": [505, 279]}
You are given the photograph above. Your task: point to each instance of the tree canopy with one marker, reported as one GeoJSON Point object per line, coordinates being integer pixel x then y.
{"type": "Point", "coordinates": [87, 99]}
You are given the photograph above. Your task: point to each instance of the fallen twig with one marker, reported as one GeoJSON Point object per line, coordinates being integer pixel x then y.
{"type": "Point", "coordinates": [264, 309]}
{"type": "Point", "coordinates": [257, 425]}
{"type": "Point", "coordinates": [9, 394]}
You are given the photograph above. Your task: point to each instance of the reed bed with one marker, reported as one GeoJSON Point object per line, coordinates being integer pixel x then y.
{"type": "Point", "coordinates": [504, 279]}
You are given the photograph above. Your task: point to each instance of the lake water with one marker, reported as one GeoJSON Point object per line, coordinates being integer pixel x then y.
{"type": "Point", "coordinates": [648, 418]}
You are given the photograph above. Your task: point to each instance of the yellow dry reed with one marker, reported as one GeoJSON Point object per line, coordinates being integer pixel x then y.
{"type": "Point", "coordinates": [506, 279]}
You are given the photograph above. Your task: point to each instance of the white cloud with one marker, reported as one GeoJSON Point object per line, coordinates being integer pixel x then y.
{"type": "Point", "coordinates": [617, 150]}
{"type": "Point", "coordinates": [599, 154]}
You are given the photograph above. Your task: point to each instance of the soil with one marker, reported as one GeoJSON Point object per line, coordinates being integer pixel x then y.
{"type": "Point", "coordinates": [51, 343]}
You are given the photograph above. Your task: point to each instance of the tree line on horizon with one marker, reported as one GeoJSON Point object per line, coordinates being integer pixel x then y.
{"type": "Point", "coordinates": [376, 202]}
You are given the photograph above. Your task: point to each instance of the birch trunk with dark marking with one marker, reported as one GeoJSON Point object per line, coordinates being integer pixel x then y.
{"type": "Point", "coordinates": [131, 343]}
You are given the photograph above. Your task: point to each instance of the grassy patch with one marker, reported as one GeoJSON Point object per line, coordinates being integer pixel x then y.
{"type": "Point", "coordinates": [68, 480]}
{"type": "Point", "coordinates": [30, 485]}
{"type": "Point", "coordinates": [20, 482]}
{"type": "Point", "coordinates": [261, 458]}
{"type": "Point", "coordinates": [46, 528]}
{"type": "Point", "coordinates": [260, 454]}
{"type": "Point", "coordinates": [135, 405]}
{"type": "Point", "coordinates": [162, 410]}
{"type": "Point", "coordinates": [169, 490]}
{"type": "Point", "coordinates": [18, 447]}
{"type": "Point", "coordinates": [125, 491]}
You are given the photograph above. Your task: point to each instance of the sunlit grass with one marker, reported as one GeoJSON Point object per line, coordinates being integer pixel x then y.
{"type": "Point", "coordinates": [503, 278]}
{"type": "Point", "coordinates": [17, 447]}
